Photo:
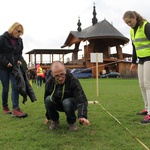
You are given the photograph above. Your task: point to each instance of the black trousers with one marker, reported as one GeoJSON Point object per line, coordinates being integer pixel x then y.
{"type": "Point", "coordinates": [67, 105]}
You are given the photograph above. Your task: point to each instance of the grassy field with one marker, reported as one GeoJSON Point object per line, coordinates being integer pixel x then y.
{"type": "Point", "coordinates": [114, 123]}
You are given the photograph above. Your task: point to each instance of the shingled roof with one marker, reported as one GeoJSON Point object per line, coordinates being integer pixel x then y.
{"type": "Point", "coordinates": [102, 31]}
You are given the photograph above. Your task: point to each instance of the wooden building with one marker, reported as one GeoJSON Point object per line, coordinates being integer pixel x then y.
{"type": "Point", "coordinates": [101, 36]}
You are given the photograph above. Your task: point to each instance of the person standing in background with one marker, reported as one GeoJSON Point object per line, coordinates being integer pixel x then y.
{"type": "Point", "coordinates": [140, 36]}
{"type": "Point", "coordinates": [33, 76]}
{"type": "Point", "coordinates": [44, 76]}
{"type": "Point", "coordinates": [48, 74]}
{"type": "Point", "coordinates": [39, 75]}
{"type": "Point", "coordinates": [11, 47]}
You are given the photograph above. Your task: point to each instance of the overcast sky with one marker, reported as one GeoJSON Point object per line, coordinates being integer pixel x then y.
{"type": "Point", "coordinates": [47, 23]}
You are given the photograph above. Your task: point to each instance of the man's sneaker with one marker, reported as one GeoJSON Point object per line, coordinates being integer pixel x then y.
{"type": "Point", "coordinates": [6, 110]}
{"type": "Point", "coordinates": [54, 125]}
{"type": "Point", "coordinates": [143, 112]}
{"type": "Point", "coordinates": [73, 127]}
{"type": "Point", "coordinates": [18, 113]}
{"type": "Point", "coordinates": [146, 120]}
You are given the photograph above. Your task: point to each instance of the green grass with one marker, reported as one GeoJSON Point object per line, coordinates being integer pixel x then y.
{"type": "Point", "coordinates": [114, 125]}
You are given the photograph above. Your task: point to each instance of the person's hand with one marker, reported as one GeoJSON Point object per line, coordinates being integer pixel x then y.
{"type": "Point", "coordinates": [132, 67]}
{"type": "Point", "coordinates": [19, 62]}
{"type": "Point", "coordinates": [46, 121]}
{"type": "Point", "coordinates": [84, 121]}
{"type": "Point", "coordinates": [9, 65]}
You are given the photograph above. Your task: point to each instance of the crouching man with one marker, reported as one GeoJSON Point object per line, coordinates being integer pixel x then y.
{"type": "Point", "coordinates": [63, 92]}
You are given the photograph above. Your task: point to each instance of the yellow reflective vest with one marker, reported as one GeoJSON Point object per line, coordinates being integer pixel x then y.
{"type": "Point", "coordinates": [39, 71]}
{"type": "Point", "coordinates": [140, 41]}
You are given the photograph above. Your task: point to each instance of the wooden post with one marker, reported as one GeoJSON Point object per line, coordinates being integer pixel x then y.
{"type": "Point", "coordinates": [97, 88]}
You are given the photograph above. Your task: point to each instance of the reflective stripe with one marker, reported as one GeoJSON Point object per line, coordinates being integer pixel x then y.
{"type": "Point", "coordinates": [143, 47]}
{"type": "Point", "coordinates": [141, 40]}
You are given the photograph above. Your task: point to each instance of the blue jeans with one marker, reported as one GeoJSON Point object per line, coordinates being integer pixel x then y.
{"type": "Point", "coordinates": [39, 81]}
{"type": "Point", "coordinates": [68, 106]}
{"type": "Point", "coordinates": [6, 77]}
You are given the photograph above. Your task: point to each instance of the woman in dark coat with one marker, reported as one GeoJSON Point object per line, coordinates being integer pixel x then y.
{"type": "Point", "coordinates": [11, 47]}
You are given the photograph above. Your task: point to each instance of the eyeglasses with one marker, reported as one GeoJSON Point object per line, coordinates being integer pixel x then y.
{"type": "Point", "coordinates": [19, 31]}
{"type": "Point", "coordinates": [62, 75]}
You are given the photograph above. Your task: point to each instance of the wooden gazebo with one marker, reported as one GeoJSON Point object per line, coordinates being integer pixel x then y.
{"type": "Point", "coordinates": [51, 52]}
{"type": "Point", "coordinates": [101, 36]}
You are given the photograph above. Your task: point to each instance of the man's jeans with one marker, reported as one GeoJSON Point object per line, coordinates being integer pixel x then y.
{"type": "Point", "coordinates": [5, 77]}
{"type": "Point", "coordinates": [68, 106]}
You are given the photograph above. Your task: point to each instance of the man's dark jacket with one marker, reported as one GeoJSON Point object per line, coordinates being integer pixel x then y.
{"type": "Point", "coordinates": [74, 89]}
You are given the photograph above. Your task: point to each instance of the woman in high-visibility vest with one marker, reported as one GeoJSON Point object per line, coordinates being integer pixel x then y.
{"type": "Point", "coordinates": [140, 36]}
{"type": "Point", "coordinates": [39, 75]}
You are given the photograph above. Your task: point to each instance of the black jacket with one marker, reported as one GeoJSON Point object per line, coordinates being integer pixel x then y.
{"type": "Point", "coordinates": [24, 87]}
{"type": "Point", "coordinates": [8, 52]}
{"type": "Point", "coordinates": [74, 89]}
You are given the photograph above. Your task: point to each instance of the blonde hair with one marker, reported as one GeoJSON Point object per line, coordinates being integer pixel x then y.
{"type": "Point", "coordinates": [14, 27]}
{"type": "Point", "coordinates": [134, 14]}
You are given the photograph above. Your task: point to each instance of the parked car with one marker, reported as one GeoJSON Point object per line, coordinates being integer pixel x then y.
{"type": "Point", "coordinates": [111, 75]}
{"type": "Point", "coordinates": [82, 72]}
{"type": "Point", "coordinates": [77, 70]}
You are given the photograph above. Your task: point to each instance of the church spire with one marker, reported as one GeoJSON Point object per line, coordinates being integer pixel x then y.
{"type": "Point", "coordinates": [79, 25]}
{"type": "Point", "coordinates": [94, 19]}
